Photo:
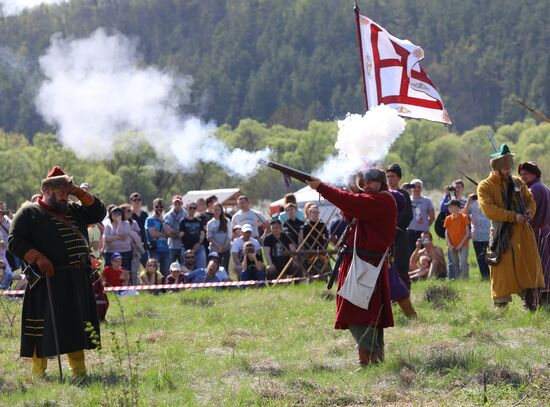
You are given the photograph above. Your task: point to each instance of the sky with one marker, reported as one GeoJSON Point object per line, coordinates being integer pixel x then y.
{"type": "Point", "coordinates": [12, 7]}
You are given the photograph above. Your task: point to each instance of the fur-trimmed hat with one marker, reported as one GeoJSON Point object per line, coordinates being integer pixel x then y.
{"type": "Point", "coordinates": [502, 159]}
{"type": "Point", "coordinates": [531, 167]}
{"type": "Point", "coordinates": [56, 179]}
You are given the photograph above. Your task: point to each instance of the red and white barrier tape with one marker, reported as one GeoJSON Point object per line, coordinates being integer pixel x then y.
{"type": "Point", "coordinates": [185, 285]}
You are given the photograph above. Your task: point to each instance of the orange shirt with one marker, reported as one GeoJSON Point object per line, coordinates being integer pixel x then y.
{"type": "Point", "coordinates": [456, 227]}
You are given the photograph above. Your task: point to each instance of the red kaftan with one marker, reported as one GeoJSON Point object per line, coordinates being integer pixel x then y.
{"type": "Point", "coordinates": [376, 225]}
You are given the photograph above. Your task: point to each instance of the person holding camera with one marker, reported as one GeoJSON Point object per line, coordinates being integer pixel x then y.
{"type": "Point", "coordinates": [253, 267]}
{"type": "Point", "coordinates": [425, 247]}
{"type": "Point", "coordinates": [480, 228]}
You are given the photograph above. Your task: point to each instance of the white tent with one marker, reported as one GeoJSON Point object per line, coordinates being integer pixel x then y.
{"type": "Point", "coordinates": [305, 195]}
{"type": "Point", "coordinates": [226, 196]}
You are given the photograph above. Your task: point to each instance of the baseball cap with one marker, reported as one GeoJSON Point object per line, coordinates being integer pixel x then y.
{"type": "Point", "coordinates": [175, 266]}
{"type": "Point", "coordinates": [213, 255]}
{"type": "Point", "coordinates": [116, 255]}
{"type": "Point", "coordinates": [177, 198]}
{"type": "Point", "coordinates": [237, 227]}
{"type": "Point", "coordinates": [246, 228]}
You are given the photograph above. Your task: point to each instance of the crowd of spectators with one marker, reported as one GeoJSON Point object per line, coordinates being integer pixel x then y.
{"type": "Point", "coordinates": [198, 241]}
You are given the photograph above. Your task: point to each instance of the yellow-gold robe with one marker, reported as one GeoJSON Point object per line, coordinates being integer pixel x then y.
{"type": "Point", "coordinates": [520, 266]}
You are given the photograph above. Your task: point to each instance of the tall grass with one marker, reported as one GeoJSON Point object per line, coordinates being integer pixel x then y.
{"type": "Point", "coordinates": [277, 346]}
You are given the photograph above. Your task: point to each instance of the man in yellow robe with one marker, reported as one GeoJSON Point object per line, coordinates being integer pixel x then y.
{"type": "Point", "coordinates": [516, 267]}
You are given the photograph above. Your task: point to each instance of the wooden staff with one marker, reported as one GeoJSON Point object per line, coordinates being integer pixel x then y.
{"type": "Point", "coordinates": [285, 269]}
{"type": "Point", "coordinates": [316, 241]}
{"type": "Point", "coordinates": [534, 112]}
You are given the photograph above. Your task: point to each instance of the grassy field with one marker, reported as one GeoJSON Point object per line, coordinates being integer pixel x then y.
{"type": "Point", "coordinates": [276, 346]}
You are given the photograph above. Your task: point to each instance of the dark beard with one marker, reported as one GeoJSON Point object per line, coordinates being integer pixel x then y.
{"type": "Point", "coordinates": [57, 206]}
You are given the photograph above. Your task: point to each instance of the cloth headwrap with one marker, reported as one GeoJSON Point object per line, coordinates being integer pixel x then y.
{"type": "Point", "coordinates": [531, 167]}
{"type": "Point", "coordinates": [502, 159]}
{"type": "Point", "coordinates": [395, 168]}
{"type": "Point", "coordinates": [56, 179]}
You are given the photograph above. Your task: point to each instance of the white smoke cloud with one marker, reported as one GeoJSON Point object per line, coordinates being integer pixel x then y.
{"type": "Point", "coordinates": [12, 7]}
{"type": "Point", "coordinates": [97, 89]}
{"type": "Point", "coordinates": [362, 140]}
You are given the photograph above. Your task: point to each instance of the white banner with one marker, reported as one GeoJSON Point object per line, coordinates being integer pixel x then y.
{"type": "Point", "coordinates": [393, 75]}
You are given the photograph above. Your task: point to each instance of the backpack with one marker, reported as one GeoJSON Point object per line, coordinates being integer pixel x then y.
{"type": "Point", "coordinates": [439, 222]}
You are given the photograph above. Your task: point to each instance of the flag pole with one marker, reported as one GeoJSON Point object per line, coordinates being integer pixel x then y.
{"type": "Point", "coordinates": [356, 9]}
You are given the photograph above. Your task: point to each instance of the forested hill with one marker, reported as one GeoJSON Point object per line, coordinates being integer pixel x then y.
{"type": "Point", "coordinates": [290, 61]}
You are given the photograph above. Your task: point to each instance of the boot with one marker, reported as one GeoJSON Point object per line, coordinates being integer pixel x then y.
{"type": "Point", "coordinates": [530, 299]}
{"type": "Point", "coordinates": [77, 363]}
{"type": "Point", "coordinates": [407, 308]}
{"type": "Point", "coordinates": [366, 357]}
{"type": "Point", "coordinates": [39, 366]}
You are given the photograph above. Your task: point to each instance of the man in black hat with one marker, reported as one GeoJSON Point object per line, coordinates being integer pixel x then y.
{"type": "Point", "coordinates": [530, 174]}
{"type": "Point", "coordinates": [401, 242]}
{"type": "Point", "coordinates": [52, 237]}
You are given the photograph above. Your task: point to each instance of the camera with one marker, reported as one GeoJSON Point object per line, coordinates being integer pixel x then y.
{"type": "Point", "coordinates": [249, 250]}
{"type": "Point", "coordinates": [408, 186]}
{"type": "Point", "coordinates": [474, 197]}
{"type": "Point", "coordinates": [4, 213]}
{"type": "Point", "coordinates": [451, 188]}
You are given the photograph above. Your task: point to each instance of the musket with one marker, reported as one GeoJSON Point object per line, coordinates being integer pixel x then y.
{"type": "Point", "coordinates": [534, 112]}
{"type": "Point", "coordinates": [288, 171]}
{"type": "Point", "coordinates": [341, 247]}
{"type": "Point", "coordinates": [468, 178]}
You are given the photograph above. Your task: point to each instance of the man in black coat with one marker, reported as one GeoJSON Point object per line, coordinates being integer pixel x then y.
{"type": "Point", "coordinates": [401, 244]}
{"type": "Point", "coordinates": [51, 236]}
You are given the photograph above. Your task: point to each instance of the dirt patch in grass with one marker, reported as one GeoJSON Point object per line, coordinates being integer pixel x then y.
{"type": "Point", "coordinates": [499, 375]}
{"type": "Point", "coordinates": [329, 365]}
{"type": "Point", "coordinates": [203, 302]}
{"type": "Point", "coordinates": [440, 358]}
{"type": "Point", "coordinates": [147, 312]}
{"type": "Point", "coordinates": [263, 367]}
{"type": "Point", "coordinates": [154, 337]}
{"type": "Point", "coordinates": [328, 295]}
{"type": "Point", "coordinates": [8, 387]}
{"type": "Point", "coordinates": [304, 384]}
{"type": "Point", "coordinates": [440, 296]}
{"type": "Point", "coordinates": [272, 390]}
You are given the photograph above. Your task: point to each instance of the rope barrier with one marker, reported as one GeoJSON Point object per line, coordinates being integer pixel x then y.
{"type": "Point", "coordinates": [188, 285]}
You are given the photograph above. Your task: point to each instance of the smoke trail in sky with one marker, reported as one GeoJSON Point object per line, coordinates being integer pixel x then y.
{"type": "Point", "coordinates": [362, 140]}
{"type": "Point", "coordinates": [97, 88]}
{"type": "Point", "coordinates": [12, 7]}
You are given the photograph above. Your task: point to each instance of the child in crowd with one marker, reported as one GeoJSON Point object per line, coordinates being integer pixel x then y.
{"type": "Point", "coordinates": [151, 275]}
{"type": "Point", "coordinates": [457, 233]}
{"type": "Point", "coordinates": [422, 271]}
{"type": "Point", "coordinates": [114, 275]}
{"type": "Point", "coordinates": [175, 276]}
